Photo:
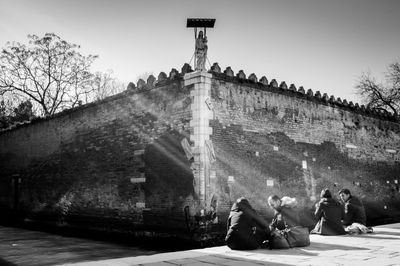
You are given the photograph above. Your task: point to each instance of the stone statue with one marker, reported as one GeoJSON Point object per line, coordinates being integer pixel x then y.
{"type": "Point", "coordinates": [201, 52]}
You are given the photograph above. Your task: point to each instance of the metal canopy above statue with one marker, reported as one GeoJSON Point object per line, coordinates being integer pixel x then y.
{"type": "Point", "coordinates": [201, 47]}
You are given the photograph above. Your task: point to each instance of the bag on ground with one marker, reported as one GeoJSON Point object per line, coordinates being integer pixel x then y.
{"type": "Point", "coordinates": [298, 236]}
{"type": "Point", "coordinates": [278, 240]}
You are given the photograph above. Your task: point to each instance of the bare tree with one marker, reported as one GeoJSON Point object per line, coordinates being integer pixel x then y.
{"type": "Point", "coordinates": [49, 71]}
{"type": "Point", "coordinates": [382, 97]}
{"type": "Point", "coordinates": [104, 84]}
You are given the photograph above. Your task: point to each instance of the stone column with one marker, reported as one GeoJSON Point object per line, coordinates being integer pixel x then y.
{"type": "Point", "coordinates": [200, 128]}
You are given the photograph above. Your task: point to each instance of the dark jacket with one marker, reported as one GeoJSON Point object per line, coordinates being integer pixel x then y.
{"type": "Point", "coordinates": [354, 212]}
{"type": "Point", "coordinates": [285, 216]}
{"type": "Point", "coordinates": [242, 223]}
{"type": "Point", "coordinates": [329, 214]}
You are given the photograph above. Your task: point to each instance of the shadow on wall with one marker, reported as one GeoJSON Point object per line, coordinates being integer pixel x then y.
{"type": "Point", "coordinates": [6, 263]}
{"type": "Point", "coordinates": [252, 159]}
{"type": "Point", "coordinates": [169, 179]}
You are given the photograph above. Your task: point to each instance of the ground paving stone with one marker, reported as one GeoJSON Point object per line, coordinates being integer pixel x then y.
{"type": "Point", "coordinates": [22, 247]}
{"type": "Point", "coordinates": [183, 261]}
{"type": "Point", "coordinates": [380, 248]}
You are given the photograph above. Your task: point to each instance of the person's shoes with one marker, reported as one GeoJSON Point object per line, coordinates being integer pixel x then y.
{"type": "Point", "coordinates": [351, 232]}
{"type": "Point", "coordinates": [370, 230]}
{"type": "Point", "coordinates": [264, 244]}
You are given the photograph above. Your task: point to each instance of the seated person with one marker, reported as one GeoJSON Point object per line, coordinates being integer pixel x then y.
{"type": "Point", "coordinates": [329, 214]}
{"type": "Point", "coordinates": [286, 231]}
{"type": "Point", "coordinates": [246, 229]}
{"type": "Point", "coordinates": [354, 219]}
{"type": "Point", "coordinates": [285, 215]}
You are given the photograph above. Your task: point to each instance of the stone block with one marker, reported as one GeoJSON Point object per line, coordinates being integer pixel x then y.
{"type": "Point", "coordinates": [229, 72]}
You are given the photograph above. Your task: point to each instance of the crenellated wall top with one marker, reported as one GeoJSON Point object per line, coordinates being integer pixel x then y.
{"type": "Point", "coordinates": [291, 90]}
{"type": "Point", "coordinates": [141, 86]}
{"type": "Point", "coordinates": [228, 74]}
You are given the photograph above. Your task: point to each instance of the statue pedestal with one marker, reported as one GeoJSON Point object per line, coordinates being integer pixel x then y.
{"type": "Point", "coordinates": [200, 129]}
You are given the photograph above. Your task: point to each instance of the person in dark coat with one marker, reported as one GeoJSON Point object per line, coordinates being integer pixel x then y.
{"type": "Point", "coordinates": [246, 229]}
{"type": "Point", "coordinates": [354, 211]}
{"type": "Point", "coordinates": [355, 219]}
{"type": "Point", "coordinates": [285, 215]}
{"type": "Point", "coordinates": [329, 213]}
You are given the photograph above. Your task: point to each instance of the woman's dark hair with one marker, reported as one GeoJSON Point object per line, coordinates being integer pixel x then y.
{"type": "Point", "coordinates": [325, 193]}
{"type": "Point", "coordinates": [243, 200]}
{"type": "Point", "coordinates": [344, 191]}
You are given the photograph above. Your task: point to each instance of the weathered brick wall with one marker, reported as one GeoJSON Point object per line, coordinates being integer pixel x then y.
{"type": "Point", "coordinates": [164, 157]}
{"type": "Point", "coordinates": [274, 140]}
{"type": "Point", "coordinates": [115, 164]}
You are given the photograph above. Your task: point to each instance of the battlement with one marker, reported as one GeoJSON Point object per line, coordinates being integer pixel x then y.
{"type": "Point", "coordinates": [228, 75]}
{"type": "Point", "coordinates": [141, 86]}
{"type": "Point", "coordinates": [292, 91]}
{"type": "Point", "coordinates": [263, 84]}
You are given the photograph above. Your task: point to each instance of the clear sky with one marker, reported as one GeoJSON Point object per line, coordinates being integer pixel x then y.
{"type": "Point", "coordinates": [324, 45]}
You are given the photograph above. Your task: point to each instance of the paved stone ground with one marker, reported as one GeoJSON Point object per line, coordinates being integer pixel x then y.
{"type": "Point", "coordinates": [35, 248]}
{"type": "Point", "coordinates": [380, 248]}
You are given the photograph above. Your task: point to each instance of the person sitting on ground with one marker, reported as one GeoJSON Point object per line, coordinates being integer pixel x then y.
{"type": "Point", "coordinates": [286, 231]}
{"type": "Point", "coordinates": [285, 215]}
{"type": "Point", "coordinates": [246, 229]}
{"type": "Point", "coordinates": [329, 213]}
{"type": "Point", "coordinates": [354, 219]}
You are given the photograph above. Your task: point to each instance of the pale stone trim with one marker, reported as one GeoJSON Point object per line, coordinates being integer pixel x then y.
{"type": "Point", "coordinates": [202, 113]}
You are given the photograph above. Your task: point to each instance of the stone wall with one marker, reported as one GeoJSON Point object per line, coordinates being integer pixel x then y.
{"type": "Point", "coordinates": [118, 164]}
{"type": "Point", "coordinates": [170, 155]}
{"type": "Point", "coordinates": [279, 140]}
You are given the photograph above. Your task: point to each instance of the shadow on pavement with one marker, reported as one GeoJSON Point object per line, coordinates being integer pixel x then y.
{"type": "Point", "coordinates": [387, 233]}
{"type": "Point", "coordinates": [377, 236]}
{"type": "Point", "coordinates": [308, 251]}
{"type": "Point", "coordinates": [213, 259]}
{"type": "Point", "coordinates": [6, 263]}
{"type": "Point", "coordinates": [22, 247]}
{"type": "Point", "coordinates": [324, 246]}
{"type": "Point", "coordinates": [289, 252]}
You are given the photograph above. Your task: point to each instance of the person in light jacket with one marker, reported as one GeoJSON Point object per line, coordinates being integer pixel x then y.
{"type": "Point", "coordinates": [285, 212]}
{"type": "Point", "coordinates": [329, 213]}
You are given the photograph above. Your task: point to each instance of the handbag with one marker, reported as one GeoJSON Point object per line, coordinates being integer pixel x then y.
{"type": "Point", "coordinates": [298, 236]}
{"type": "Point", "coordinates": [278, 240]}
